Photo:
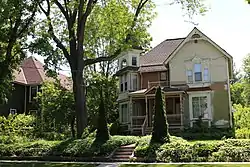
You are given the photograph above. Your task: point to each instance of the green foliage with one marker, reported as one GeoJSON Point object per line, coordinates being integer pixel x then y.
{"type": "Point", "coordinates": [102, 133]}
{"type": "Point", "coordinates": [16, 128]}
{"type": "Point", "coordinates": [160, 125]}
{"type": "Point", "coordinates": [237, 93]}
{"type": "Point", "coordinates": [82, 147]}
{"type": "Point", "coordinates": [16, 18]}
{"type": "Point", "coordinates": [179, 150]}
{"type": "Point", "coordinates": [243, 133]}
{"type": "Point", "coordinates": [96, 81]}
{"type": "Point", "coordinates": [57, 110]}
{"type": "Point", "coordinates": [114, 128]}
{"type": "Point", "coordinates": [241, 116]}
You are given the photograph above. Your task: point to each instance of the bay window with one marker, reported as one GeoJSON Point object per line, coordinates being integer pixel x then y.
{"type": "Point", "coordinates": [190, 76]}
{"type": "Point", "coordinates": [124, 112]}
{"type": "Point", "coordinates": [206, 74]}
{"type": "Point", "coordinates": [134, 82]}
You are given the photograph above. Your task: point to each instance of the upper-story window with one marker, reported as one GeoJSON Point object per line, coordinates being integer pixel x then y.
{"type": "Point", "coordinates": [197, 72]}
{"type": "Point", "coordinates": [125, 82]}
{"type": "Point", "coordinates": [134, 61]}
{"type": "Point", "coordinates": [123, 63]}
{"type": "Point", "coordinates": [163, 76]}
{"type": "Point", "coordinates": [32, 93]}
{"type": "Point", "coordinates": [206, 74]}
{"type": "Point", "coordinates": [121, 83]}
{"type": "Point", "coordinates": [134, 82]}
{"type": "Point", "coordinates": [190, 76]}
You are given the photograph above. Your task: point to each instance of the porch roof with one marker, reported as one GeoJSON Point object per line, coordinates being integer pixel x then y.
{"type": "Point", "coordinates": [138, 92]}
{"type": "Point", "coordinates": [165, 90]}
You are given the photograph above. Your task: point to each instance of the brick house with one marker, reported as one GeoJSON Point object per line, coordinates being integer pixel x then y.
{"type": "Point", "coordinates": [28, 80]}
{"type": "Point", "coordinates": [194, 74]}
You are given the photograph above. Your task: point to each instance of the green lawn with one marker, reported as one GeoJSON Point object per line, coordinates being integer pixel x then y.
{"type": "Point", "coordinates": [191, 165]}
{"type": "Point", "coordinates": [44, 165]}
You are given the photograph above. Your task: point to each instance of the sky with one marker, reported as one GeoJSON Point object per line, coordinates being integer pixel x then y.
{"type": "Point", "coordinates": [227, 23]}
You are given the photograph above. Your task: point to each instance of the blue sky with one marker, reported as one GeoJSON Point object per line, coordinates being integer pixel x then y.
{"type": "Point", "coordinates": [227, 23]}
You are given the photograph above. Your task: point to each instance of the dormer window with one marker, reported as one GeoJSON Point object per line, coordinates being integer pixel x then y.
{"type": "Point", "coordinates": [134, 61]}
{"type": "Point", "coordinates": [123, 63]}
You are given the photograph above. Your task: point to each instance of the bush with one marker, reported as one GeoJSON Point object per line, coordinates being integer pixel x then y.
{"type": "Point", "coordinates": [114, 128]}
{"type": "Point", "coordinates": [243, 133]}
{"type": "Point", "coordinates": [16, 128]}
{"type": "Point", "coordinates": [179, 150]}
{"type": "Point", "coordinates": [87, 147]}
{"type": "Point", "coordinates": [160, 125]}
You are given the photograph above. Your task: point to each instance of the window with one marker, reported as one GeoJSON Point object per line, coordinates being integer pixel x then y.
{"type": "Point", "coordinates": [190, 76]}
{"type": "Point", "coordinates": [33, 93]}
{"type": "Point", "coordinates": [197, 72]}
{"type": "Point", "coordinates": [206, 74]}
{"type": "Point", "coordinates": [134, 82]}
{"type": "Point", "coordinates": [121, 83]}
{"type": "Point", "coordinates": [123, 63]}
{"type": "Point", "coordinates": [134, 61]}
{"type": "Point", "coordinates": [12, 111]}
{"type": "Point", "coordinates": [199, 106]}
{"type": "Point", "coordinates": [125, 83]}
{"type": "Point", "coordinates": [163, 76]}
{"type": "Point", "coordinates": [124, 113]}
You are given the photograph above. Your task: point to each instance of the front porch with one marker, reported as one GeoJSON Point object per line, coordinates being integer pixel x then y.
{"type": "Point", "coordinates": [143, 111]}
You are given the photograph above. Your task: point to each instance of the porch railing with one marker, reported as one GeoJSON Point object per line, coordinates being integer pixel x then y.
{"type": "Point", "coordinates": [174, 119]}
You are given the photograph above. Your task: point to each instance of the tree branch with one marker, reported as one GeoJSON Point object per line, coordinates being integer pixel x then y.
{"type": "Point", "coordinates": [127, 38]}
{"type": "Point", "coordinates": [51, 31]}
{"type": "Point", "coordinates": [64, 12]}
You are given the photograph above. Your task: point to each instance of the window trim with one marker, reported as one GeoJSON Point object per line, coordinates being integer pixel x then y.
{"type": "Point", "coordinates": [13, 109]}
{"type": "Point", "coordinates": [206, 75]}
{"type": "Point", "coordinates": [187, 73]}
{"type": "Point", "coordinates": [163, 72]}
{"type": "Point", "coordinates": [30, 100]}
{"type": "Point", "coordinates": [209, 104]}
{"type": "Point", "coordinates": [134, 57]}
{"type": "Point", "coordinates": [121, 113]}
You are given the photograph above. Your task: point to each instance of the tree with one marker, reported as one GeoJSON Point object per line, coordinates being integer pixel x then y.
{"type": "Point", "coordinates": [236, 75]}
{"type": "Point", "coordinates": [16, 18]}
{"type": "Point", "coordinates": [237, 93]}
{"type": "Point", "coordinates": [96, 82]}
{"type": "Point", "coordinates": [160, 125]}
{"type": "Point", "coordinates": [57, 108]}
{"type": "Point", "coordinates": [66, 24]}
{"type": "Point", "coordinates": [246, 78]}
{"type": "Point", "coordinates": [102, 133]}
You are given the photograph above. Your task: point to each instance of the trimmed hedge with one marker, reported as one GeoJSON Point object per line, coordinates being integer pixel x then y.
{"type": "Point", "coordinates": [180, 150]}
{"type": "Point", "coordinates": [87, 147]}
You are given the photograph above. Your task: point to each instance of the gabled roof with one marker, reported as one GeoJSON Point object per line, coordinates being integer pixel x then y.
{"type": "Point", "coordinates": [158, 54]}
{"type": "Point", "coordinates": [32, 72]}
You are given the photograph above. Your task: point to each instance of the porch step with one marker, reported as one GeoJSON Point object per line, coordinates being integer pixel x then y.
{"type": "Point", "coordinates": [123, 153]}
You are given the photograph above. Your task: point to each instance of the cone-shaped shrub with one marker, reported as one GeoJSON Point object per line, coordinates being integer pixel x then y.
{"type": "Point", "coordinates": [160, 125]}
{"type": "Point", "coordinates": [102, 133]}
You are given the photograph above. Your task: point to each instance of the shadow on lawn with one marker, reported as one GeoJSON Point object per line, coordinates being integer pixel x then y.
{"type": "Point", "coordinates": [151, 152]}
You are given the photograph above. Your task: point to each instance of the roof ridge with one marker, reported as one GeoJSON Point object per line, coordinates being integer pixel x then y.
{"type": "Point", "coordinates": [171, 39]}
{"type": "Point", "coordinates": [37, 68]}
{"type": "Point", "coordinates": [23, 75]}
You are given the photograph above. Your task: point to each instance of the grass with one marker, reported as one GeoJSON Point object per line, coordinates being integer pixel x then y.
{"type": "Point", "coordinates": [187, 165]}
{"type": "Point", "coordinates": [22, 164]}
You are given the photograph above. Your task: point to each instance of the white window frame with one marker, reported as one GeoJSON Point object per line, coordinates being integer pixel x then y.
{"type": "Point", "coordinates": [13, 110]}
{"type": "Point", "coordinates": [201, 71]}
{"type": "Point", "coordinates": [206, 75]}
{"type": "Point", "coordinates": [121, 113]}
{"type": "Point", "coordinates": [134, 57]}
{"type": "Point", "coordinates": [163, 76]}
{"type": "Point", "coordinates": [209, 106]}
{"type": "Point", "coordinates": [189, 71]}
{"type": "Point", "coordinates": [30, 99]}
{"type": "Point", "coordinates": [134, 76]}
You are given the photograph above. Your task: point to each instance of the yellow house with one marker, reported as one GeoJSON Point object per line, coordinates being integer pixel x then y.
{"type": "Point", "coordinates": [194, 73]}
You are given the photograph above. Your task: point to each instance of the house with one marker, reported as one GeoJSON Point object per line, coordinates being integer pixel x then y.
{"type": "Point", "coordinates": [194, 74]}
{"type": "Point", "coordinates": [27, 82]}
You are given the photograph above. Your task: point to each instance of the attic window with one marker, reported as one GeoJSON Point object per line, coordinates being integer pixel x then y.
{"type": "Point", "coordinates": [123, 63]}
{"type": "Point", "coordinates": [196, 36]}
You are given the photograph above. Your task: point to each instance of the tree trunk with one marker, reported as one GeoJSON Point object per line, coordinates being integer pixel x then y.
{"type": "Point", "coordinates": [79, 95]}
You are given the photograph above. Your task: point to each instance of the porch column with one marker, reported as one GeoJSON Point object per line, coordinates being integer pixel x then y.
{"type": "Point", "coordinates": [181, 108]}
{"type": "Point", "coordinates": [131, 113]}
{"type": "Point", "coordinates": [146, 101]}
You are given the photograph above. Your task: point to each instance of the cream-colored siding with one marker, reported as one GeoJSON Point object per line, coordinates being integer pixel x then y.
{"type": "Point", "coordinates": [210, 57]}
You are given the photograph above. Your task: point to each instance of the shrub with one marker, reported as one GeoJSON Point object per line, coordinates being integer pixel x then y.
{"type": "Point", "coordinates": [102, 133]}
{"type": "Point", "coordinates": [243, 133]}
{"type": "Point", "coordinates": [160, 125]}
{"type": "Point", "coordinates": [114, 128]}
{"type": "Point", "coordinates": [82, 147]}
